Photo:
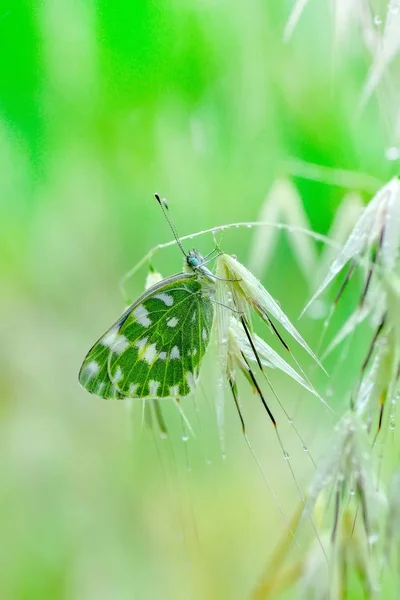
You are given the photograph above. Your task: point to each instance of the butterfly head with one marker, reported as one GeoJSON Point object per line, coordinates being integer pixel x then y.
{"type": "Point", "coordinates": [195, 262]}
{"type": "Point", "coordinates": [194, 259]}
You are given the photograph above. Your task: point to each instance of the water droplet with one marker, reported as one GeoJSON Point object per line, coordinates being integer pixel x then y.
{"type": "Point", "coordinates": [305, 448]}
{"type": "Point", "coordinates": [352, 492]}
{"type": "Point", "coordinates": [318, 309]}
{"type": "Point", "coordinates": [373, 538]}
{"type": "Point", "coordinates": [249, 226]}
{"type": "Point", "coordinates": [223, 456]}
{"type": "Point", "coordinates": [392, 153]}
{"type": "Point", "coordinates": [185, 437]}
{"type": "Point", "coordinates": [377, 20]}
{"type": "Point", "coordinates": [286, 455]}
{"type": "Point", "coordinates": [290, 421]}
{"type": "Point", "coordinates": [392, 424]}
{"type": "Point", "coordinates": [163, 435]}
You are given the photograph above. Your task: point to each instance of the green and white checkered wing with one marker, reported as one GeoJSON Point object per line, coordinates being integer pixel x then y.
{"type": "Point", "coordinates": [155, 349]}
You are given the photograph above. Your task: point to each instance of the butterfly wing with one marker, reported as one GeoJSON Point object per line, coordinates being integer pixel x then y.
{"type": "Point", "coordinates": [155, 349]}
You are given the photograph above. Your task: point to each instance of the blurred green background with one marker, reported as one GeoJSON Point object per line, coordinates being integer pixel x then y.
{"type": "Point", "coordinates": [101, 105]}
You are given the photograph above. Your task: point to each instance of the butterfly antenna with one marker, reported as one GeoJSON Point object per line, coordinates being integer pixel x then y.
{"type": "Point", "coordinates": [164, 207]}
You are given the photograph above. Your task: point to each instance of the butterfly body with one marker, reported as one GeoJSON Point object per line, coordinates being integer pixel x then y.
{"type": "Point", "coordinates": [155, 348]}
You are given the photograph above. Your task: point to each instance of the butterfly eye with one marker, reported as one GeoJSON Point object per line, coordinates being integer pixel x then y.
{"type": "Point", "coordinates": [193, 261]}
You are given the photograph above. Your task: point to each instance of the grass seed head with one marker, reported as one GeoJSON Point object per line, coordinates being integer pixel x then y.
{"type": "Point", "coordinates": [378, 224]}
{"type": "Point", "coordinates": [248, 292]}
{"type": "Point", "coordinates": [269, 358]}
{"type": "Point", "coordinates": [349, 466]}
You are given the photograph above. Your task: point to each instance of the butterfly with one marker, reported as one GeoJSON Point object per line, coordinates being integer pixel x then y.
{"type": "Point", "coordinates": [156, 347]}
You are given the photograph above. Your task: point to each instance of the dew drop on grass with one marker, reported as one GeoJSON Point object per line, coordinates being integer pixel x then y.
{"type": "Point", "coordinates": [377, 20]}
{"type": "Point", "coordinates": [392, 424]}
{"type": "Point", "coordinates": [290, 421]}
{"type": "Point", "coordinates": [352, 492]}
{"type": "Point", "coordinates": [163, 435]}
{"type": "Point", "coordinates": [286, 455]}
{"type": "Point", "coordinates": [318, 309]}
{"type": "Point", "coordinates": [373, 538]}
{"type": "Point", "coordinates": [305, 448]}
{"type": "Point", "coordinates": [392, 153]}
{"type": "Point", "coordinates": [185, 437]}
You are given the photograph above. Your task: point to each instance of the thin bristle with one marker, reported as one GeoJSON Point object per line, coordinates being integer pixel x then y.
{"type": "Point", "coordinates": [345, 282]}
{"type": "Point", "coordinates": [372, 346]}
{"type": "Point", "coordinates": [233, 387]}
{"type": "Point", "coordinates": [259, 392]}
{"type": "Point", "coordinates": [250, 339]}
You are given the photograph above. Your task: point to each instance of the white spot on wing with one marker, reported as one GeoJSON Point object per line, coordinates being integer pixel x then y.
{"type": "Point", "coordinates": [140, 344]}
{"type": "Point", "coordinates": [166, 298]}
{"type": "Point", "coordinates": [194, 352]}
{"type": "Point", "coordinates": [194, 315]}
{"type": "Point", "coordinates": [100, 387]}
{"type": "Point", "coordinates": [174, 390]}
{"type": "Point", "coordinates": [132, 388]}
{"type": "Point", "coordinates": [92, 368]}
{"type": "Point", "coordinates": [153, 387]}
{"type": "Point", "coordinates": [117, 343]}
{"type": "Point", "coordinates": [118, 375]}
{"type": "Point", "coordinates": [204, 333]}
{"type": "Point", "coordinates": [173, 322]}
{"type": "Point", "coordinates": [141, 316]}
{"type": "Point", "coordinates": [150, 354]}
{"type": "Point", "coordinates": [89, 371]}
{"type": "Point", "coordinates": [113, 391]}
{"type": "Point", "coordinates": [175, 352]}
{"type": "Point", "coordinates": [162, 355]}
